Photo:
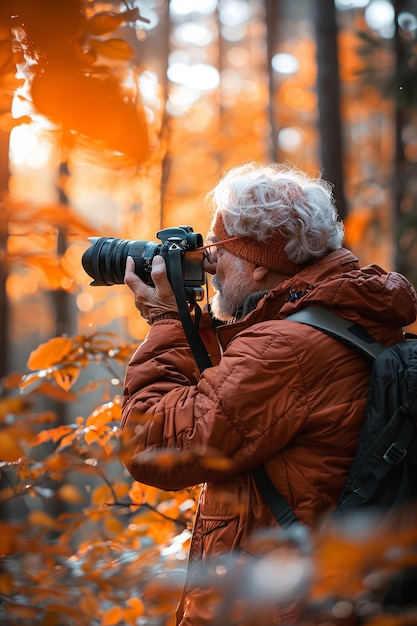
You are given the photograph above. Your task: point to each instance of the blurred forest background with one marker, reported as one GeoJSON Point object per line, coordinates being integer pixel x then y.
{"type": "Point", "coordinates": [116, 118]}
{"type": "Point", "coordinates": [120, 126]}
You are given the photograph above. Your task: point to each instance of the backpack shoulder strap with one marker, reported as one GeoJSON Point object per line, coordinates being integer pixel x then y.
{"type": "Point", "coordinates": [283, 513]}
{"type": "Point", "coordinates": [352, 334]}
{"type": "Point", "coordinates": [336, 326]}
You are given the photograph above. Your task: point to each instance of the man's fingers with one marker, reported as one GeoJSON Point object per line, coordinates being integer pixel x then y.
{"type": "Point", "coordinates": [131, 279]}
{"type": "Point", "coordinates": [130, 265]}
{"type": "Point", "coordinates": [159, 276]}
{"type": "Point", "coordinates": [151, 301]}
{"type": "Point", "coordinates": [158, 265]}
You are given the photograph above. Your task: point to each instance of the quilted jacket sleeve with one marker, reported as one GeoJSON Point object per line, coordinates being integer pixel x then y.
{"type": "Point", "coordinates": [182, 429]}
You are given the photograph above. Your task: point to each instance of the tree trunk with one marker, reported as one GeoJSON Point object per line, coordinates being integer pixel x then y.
{"type": "Point", "coordinates": [328, 91]}
{"type": "Point", "coordinates": [4, 304]}
{"type": "Point", "coordinates": [399, 164]}
{"type": "Point", "coordinates": [273, 10]}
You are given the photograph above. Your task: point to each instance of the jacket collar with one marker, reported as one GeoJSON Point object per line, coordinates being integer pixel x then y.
{"type": "Point", "coordinates": [288, 296]}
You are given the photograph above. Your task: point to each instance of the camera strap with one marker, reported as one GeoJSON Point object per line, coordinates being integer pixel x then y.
{"type": "Point", "coordinates": [195, 342]}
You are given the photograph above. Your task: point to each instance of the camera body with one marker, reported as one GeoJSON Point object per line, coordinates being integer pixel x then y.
{"type": "Point", "coordinates": [105, 259]}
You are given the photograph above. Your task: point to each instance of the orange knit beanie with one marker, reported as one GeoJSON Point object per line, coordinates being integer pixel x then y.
{"type": "Point", "coordinates": [268, 253]}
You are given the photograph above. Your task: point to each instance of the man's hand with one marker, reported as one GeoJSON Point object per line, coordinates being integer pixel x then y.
{"type": "Point", "coordinates": [152, 302]}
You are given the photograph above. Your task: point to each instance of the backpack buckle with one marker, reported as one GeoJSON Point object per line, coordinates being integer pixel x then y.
{"type": "Point", "coordinates": [394, 454]}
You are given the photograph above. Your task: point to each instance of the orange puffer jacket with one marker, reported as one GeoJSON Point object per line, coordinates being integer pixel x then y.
{"type": "Point", "coordinates": [282, 394]}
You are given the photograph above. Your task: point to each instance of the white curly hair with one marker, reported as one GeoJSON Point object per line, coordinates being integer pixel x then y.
{"type": "Point", "coordinates": [258, 201]}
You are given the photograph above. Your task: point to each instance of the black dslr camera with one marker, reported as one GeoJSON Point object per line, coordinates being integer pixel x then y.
{"type": "Point", "coordinates": [105, 260]}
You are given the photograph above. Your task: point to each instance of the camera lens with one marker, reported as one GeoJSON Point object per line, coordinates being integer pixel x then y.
{"type": "Point", "coordinates": [105, 260]}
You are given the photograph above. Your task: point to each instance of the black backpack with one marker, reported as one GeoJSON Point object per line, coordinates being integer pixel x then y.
{"type": "Point", "coordinates": [383, 474]}
{"type": "Point", "coordinates": [384, 471]}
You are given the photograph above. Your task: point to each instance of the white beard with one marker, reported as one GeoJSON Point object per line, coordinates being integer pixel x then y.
{"type": "Point", "coordinates": [227, 300]}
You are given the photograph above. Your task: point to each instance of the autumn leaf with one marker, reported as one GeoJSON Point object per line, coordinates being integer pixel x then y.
{"type": "Point", "coordinates": [10, 449]}
{"type": "Point", "coordinates": [51, 267]}
{"type": "Point", "coordinates": [49, 390]}
{"type": "Point", "coordinates": [105, 22]}
{"type": "Point", "coordinates": [89, 604]}
{"type": "Point", "coordinates": [91, 435]}
{"type": "Point", "coordinates": [120, 488]}
{"type": "Point", "coordinates": [115, 49]}
{"type": "Point", "coordinates": [98, 101]}
{"type": "Point", "coordinates": [9, 536]}
{"type": "Point", "coordinates": [137, 605]}
{"type": "Point", "coordinates": [55, 464]}
{"type": "Point", "coordinates": [6, 583]}
{"type": "Point", "coordinates": [51, 434]}
{"type": "Point", "coordinates": [112, 617]}
{"type": "Point", "coordinates": [122, 353]}
{"type": "Point", "coordinates": [21, 611]}
{"type": "Point", "coordinates": [133, 611]}
{"type": "Point", "coordinates": [13, 405]}
{"type": "Point", "coordinates": [67, 440]}
{"type": "Point", "coordinates": [66, 376]}
{"type": "Point", "coordinates": [61, 216]}
{"type": "Point", "coordinates": [43, 519]}
{"type": "Point", "coordinates": [105, 414]}
{"type": "Point", "coordinates": [70, 493]}
{"type": "Point", "coordinates": [101, 495]}
{"type": "Point", "coordinates": [11, 381]}
{"type": "Point", "coordinates": [47, 354]}
{"type": "Point", "coordinates": [140, 493]}
{"type": "Point", "coordinates": [113, 526]}
{"type": "Point", "coordinates": [54, 613]}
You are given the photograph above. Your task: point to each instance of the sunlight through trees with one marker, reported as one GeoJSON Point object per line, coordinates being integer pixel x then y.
{"type": "Point", "coordinates": [116, 119]}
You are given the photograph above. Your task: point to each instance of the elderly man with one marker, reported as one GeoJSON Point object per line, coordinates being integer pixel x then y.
{"type": "Point", "coordinates": [279, 394]}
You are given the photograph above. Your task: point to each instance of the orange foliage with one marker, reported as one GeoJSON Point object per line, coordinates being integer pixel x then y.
{"type": "Point", "coordinates": [90, 541]}
{"type": "Point", "coordinates": [10, 449]}
{"type": "Point", "coordinates": [106, 22]}
{"type": "Point", "coordinates": [83, 542]}
{"type": "Point", "coordinates": [95, 545]}
{"type": "Point", "coordinates": [350, 62]}
{"type": "Point", "coordinates": [73, 73]}
{"type": "Point", "coordinates": [32, 241]}
{"type": "Point", "coordinates": [101, 111]}
{"type": "Point", "coordinates": [112, 49]}
{"type": "Point", "coordinates": [355, 226]}
{"type": "Point", "coordinates": [50, 353]}
{"type": "Point", "coordinates": [60, 359]}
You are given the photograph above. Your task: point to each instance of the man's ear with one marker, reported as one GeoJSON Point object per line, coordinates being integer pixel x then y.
{"type": "Point", "coordinates": [259, 272]}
